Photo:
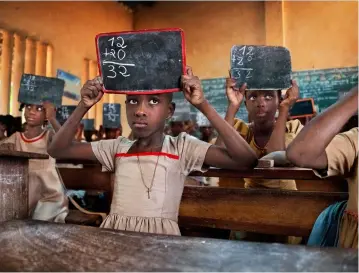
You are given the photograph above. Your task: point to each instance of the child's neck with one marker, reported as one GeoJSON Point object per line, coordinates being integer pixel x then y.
{"type": "Point", "coordinates": [33, 131]}
{"type": "Point", "coordinates": [152, 143]}
{"type": "Point", "coordinates": [263, 128]}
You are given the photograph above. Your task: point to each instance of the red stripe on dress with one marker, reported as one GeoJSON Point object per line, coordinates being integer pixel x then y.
{"type": "Point", "coordinates": [34, 139]}
{"type": "Point", "coordinates": [147, 154]}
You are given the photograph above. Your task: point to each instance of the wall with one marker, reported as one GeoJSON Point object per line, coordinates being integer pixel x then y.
{"type": "Point", "coordinates": [321, 34]}
{"type": "Point", "coordinates": [318, 34]}
{"type": "Point", "coordinates": [70, 27]}
{"type": "Point", "coordinates": [211, 29]}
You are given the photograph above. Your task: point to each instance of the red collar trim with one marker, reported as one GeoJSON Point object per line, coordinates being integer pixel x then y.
{"type": "Point", "coordinates": [33, 139]}
{"type": "Point", "coordinates": [148, 154]}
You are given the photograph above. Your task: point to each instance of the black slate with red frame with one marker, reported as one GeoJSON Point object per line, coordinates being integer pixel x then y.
{"type": "Point", "coordinates": [141, 62]}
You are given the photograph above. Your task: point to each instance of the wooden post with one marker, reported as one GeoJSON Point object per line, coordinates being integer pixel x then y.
{"type": "Point", "coordinates": [5, 72]}
{"type": "Point", "coordinates": [30, 55]}
{"type": "Point", "coordinates": [40, 61]}
{"type": "Point", "coordinates": [49, 56]}
{"type": "Point", "coordinates": [18, 70]}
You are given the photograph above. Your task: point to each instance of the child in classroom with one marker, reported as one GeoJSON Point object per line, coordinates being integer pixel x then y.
{"type": "Point", "coordinates": [150, 170]}
{"type": "Point", "coordinates": [265, 133]}
{"type": "Point", "coordinates": [47, 199]}
{"type": "Point", "coordinates": [319, 146]}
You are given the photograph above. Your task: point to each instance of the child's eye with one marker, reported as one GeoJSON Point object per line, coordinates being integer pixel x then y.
{"type": "Point", "coordinates": [268, 97]}
{"type": "Point", "coordinates": [252, 97]}
{"type": "Point", "coordinates": [132, 101]}
{"type": "Point", "coordinates": [28, 107]}
{"type": "Point", "coordinates": [39, 109]}
{"type": "Point", "coordinates": [154, 101]}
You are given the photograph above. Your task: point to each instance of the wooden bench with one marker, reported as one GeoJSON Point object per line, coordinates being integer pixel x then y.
{"type": "Point", "coordinates": [265, 211]}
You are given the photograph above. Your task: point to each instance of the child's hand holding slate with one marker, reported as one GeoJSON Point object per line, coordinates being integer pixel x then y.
{"type": "Point", "coordinates": [50, 110]}
{"type": "Point", "coordinates": [235, 96]}
{"type": "Point", "coordinates": [291, 96]}
{"type": "Point", "coordinates": [92, 92]}
{"type": "Point", "coordinates": [192, 88]}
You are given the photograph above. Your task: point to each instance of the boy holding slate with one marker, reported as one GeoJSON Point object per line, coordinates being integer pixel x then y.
{"type": "Point", "coordinates": [47, 200]}
{"type": "Point", "coordinates": [150, 171]}
{"type": "Point", "coordinates": [319, 146]}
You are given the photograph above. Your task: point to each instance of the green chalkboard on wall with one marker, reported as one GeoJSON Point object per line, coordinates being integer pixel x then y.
{"type": "Point", "coordinates": [325, 85]}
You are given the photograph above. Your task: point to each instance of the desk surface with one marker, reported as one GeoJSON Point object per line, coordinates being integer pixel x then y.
{"type": "Point", "coordinates": [38, 246]}
{"type": "Point", "coordinates": [7, 153]}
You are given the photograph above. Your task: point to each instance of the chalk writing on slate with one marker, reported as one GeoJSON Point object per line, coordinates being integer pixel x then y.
{"type": "Point", "coordinates": [64, 112]}
{"type": "Point", "coordinates": [215, 92]}
{"type": "Point", "coordinates": [326, 85]}
{"type": "Point", "coordinates": [302, 108]}
{"type": "Point", "coordinates": [89, 124]}
{"type": "Point", "coordinates": [141, 61]}
{"type": "Point", "coordinates": [111, 115]}
{"type": "Point", "coordinates": [38, 89]}
{"type": "Point", "coordinates": [261, 67]}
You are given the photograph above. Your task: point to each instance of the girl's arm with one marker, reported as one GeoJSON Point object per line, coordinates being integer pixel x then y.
{"type": "Point", "coordinates": [235, 98]}
{"type": "Point", "coordinates": [50, 113]}
{"type": "Point", "coordinates": [277, 140]}
{"type": "Point", "coordinates": [236, 153]}
{"type": "Point", "coordinates": [308, 148]}
{"type": "Point", "coordinates": [62, 145]}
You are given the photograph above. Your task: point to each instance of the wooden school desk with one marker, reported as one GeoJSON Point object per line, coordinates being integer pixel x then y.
{"type": "Point", "coordinates": [291, 213]}
{"type": "Point", "coordinates": [42, 246]}
{"type": "Point", "coordinates": [14, 188]}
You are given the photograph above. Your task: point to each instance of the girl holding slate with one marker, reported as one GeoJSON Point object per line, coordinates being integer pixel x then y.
{"type": "Point", "coordinates": [150, 171]}
{"type": "Point", "coordinates": [47, 200]}
{"type": "Point", "coordinates": [264, 134]}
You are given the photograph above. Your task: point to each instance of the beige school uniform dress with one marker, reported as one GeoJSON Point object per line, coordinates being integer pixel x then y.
{"type": "Point", "coordinates": [133, 208]}
{"type": "Point", "coordinates": [342, 154]}
{"type": "Point", "coordinates": [47, 199]}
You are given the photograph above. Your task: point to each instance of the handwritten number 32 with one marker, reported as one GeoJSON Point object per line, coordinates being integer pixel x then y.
{"type": "Point", "coordinates": [123, 72]}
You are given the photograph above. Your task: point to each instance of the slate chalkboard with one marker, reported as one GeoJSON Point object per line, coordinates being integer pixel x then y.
{"type": "Point", "coordinates": [326, 85]}
{"type": "Point", "coordinates": [89, 124]}
{"type": "Point", "coordinates": [38, 89]}
{"type": "Point", "coordinates": [64, 112]}
{"type": "Point", "coordinates": [302, 108]}
{"type": "Point", "coordinates": [145, 61]}
{"type": "Point", "coordinates": [215, 92]}
{"type": "Point", "coordinates": [261, 67]}
{"type": "Point", "coordinates": [111, 115]}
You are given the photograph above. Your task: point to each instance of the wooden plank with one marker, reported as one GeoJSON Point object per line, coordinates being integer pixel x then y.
{"type": "Point", "coordinates": [10, 153]}
{"type": "Point", "coordinates": [264, 211]}
{"type": "Point", "coordinates": [14, 188]}
{"type": "Point", "coordinates": [41, 246]}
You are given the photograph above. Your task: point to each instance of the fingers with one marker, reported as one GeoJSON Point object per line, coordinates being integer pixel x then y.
{"type": "Point", "coordinates": [189, 71]}
{"type": "Point", "coordinates": [243, 88]}
{"type": "Point", "coordinates": [229, 73]}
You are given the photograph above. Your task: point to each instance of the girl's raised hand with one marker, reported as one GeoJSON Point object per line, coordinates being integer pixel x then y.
{"type": "Point", "coordinates": [92, 92]}
{"type": "Point", "coordinates": [192, 89]}
{"type": "Point", "coordinates": [235, 96]}
{"type": "Point", "coordinates": [291, 95]}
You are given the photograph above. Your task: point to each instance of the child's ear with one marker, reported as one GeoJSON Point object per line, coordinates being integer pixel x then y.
{"type": "Point", "coordinates": [171, 110]}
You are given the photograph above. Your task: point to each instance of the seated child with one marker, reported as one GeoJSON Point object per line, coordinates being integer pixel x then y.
{"type": "Point", "coordinates": [47, 200]}
{"type": "Point", "coordinates": [151, 169]}
{"type": "Point", "coordinates": [319, 146]}
{"type": "Point", "coordinates": [264, 133]}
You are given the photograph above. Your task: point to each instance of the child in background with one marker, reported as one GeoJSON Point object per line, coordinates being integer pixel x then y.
{"type": "Point", "coordinates": [150, 171]}
{"type": "Point", "coordinates": [47, 200]}
{"type": "Point", "coordinates": [264, 134]}
{"type": "Point", "coordinates": [3, 127]}
{"type": "Point", "coordinates": [319, 146]}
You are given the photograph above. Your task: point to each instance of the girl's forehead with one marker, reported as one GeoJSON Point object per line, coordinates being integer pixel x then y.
{"type": "Point", "coordinates": [261, 92]}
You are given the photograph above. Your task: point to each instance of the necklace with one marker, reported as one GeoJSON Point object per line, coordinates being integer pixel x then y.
{"type": "Point", "coordinates": [148, 189]}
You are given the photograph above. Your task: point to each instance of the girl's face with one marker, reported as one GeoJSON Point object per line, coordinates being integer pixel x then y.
{"type": "Point", "coordinates": [147, 114]}
{"type": "Point", "coordinates": [262, 104]}
{"type": "Point", "coordinates": [34, 115]}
